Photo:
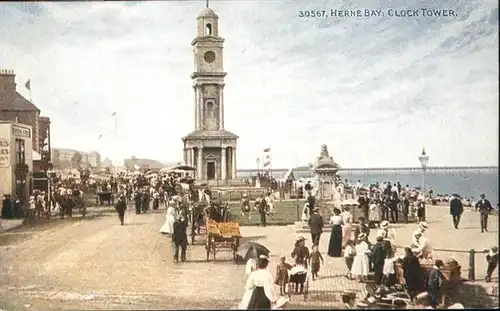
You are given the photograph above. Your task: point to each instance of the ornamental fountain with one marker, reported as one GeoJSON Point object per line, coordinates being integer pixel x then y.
{"type": "Point", "coordinates": [325, 183]}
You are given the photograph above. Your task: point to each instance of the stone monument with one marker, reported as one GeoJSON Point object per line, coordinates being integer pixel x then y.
{"type": "Point", "coordinates": [325, 170]}
{"type": "Point", "coordinates": [324, 188]}
{"type": "Point", "coordinates": [327, 195]}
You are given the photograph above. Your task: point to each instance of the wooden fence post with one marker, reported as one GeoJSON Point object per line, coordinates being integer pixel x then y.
{"type": "Point", "coordinates": [472, 265]}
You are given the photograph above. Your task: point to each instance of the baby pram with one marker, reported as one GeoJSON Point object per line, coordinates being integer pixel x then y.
{"type": "Point", "coordinates": [298, 281]}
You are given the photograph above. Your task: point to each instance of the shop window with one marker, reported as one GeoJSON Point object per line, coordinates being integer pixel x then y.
{"type": "Point", "coordinates": [20, 152]}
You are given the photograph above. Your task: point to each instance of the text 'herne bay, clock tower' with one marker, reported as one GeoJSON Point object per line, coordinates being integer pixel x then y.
{"type": "Point", "coordinates": [210, 148]}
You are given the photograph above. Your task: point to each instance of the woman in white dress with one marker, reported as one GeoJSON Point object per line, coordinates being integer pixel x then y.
{"type": "Point", "coordinates": [264, 293]}
{"type": "Point", "coordinates": [361, 263]}
{"type": "Point", "coordinates": [168, 226]}
{"type": "Point", "coordinates": [347, 227]}
{"type": "Point", "coordinates": [250, 267]}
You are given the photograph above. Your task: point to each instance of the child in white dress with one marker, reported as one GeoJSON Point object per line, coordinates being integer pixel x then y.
{"type": "Point", "coordinates": [361, 264]}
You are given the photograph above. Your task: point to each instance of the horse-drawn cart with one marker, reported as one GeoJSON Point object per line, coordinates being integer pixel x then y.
{"type": "Point", "coordinates": [222, 236]}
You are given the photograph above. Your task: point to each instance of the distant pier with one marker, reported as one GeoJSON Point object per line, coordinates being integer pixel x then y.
{"type": "Point", "coordinates": [389, 171]}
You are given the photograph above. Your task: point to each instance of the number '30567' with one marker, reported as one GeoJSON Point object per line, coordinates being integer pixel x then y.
{"type": "Point", "coordinates": [312, 13]}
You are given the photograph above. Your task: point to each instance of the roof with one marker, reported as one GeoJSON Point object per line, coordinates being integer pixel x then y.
{"type": "Point", "coordinates": [210, 135]}
{"type": "Point", "coordinates": [20, 104]}
{"type": "Point", "coordinates": [207, 12]}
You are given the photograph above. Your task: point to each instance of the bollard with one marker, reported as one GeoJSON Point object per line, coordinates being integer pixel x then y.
{"type": "Point", "coordinates": [472, 275]}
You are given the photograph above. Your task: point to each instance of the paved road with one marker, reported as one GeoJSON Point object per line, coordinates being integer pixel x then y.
{"type": "Point", "coordinates": [98, 264]}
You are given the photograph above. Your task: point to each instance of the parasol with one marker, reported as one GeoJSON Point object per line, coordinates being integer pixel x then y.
{"type": "Point", "coordinates": [252, 250]}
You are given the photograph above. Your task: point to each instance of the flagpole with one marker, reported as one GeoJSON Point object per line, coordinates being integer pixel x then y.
{"type": "Point", "coordinates": [116, 141]}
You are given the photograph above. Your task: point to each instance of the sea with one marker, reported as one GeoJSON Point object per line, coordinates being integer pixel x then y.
{"type": "Point", "coordinates": [467, 183]}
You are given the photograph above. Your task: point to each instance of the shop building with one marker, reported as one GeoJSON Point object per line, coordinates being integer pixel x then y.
{"type": "Point", "coordinates": [16, 159]}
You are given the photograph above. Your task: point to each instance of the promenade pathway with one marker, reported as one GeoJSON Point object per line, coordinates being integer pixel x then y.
{"type": "Point", "coordinates": [98, 264]}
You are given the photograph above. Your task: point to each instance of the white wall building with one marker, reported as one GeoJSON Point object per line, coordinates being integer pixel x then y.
{"type": "Point", "coordinates": [16, 159]}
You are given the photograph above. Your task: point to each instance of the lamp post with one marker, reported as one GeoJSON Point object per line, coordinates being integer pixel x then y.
{"type": "Point", "coordinates": [424, 160]}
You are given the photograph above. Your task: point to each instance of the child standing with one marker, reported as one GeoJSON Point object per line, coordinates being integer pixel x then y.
{"type": "Point", "coordinates": [492, 259]}
{"type": "Point", "coordinates": [435, 282]}
{"type": "Point", "coordinates": [361, 262]}
{"type": "Point", "coordinates": [315, 260]}
{"type": "Point", "coordinates": [282, 274]}
{"type": "Point", "coordinates": [349, 254]}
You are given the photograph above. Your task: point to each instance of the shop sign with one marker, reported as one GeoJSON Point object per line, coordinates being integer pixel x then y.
{"type": "Point", "coordinates": [21, 132]}
{"type": "Point", "coordinates": [4, 153]}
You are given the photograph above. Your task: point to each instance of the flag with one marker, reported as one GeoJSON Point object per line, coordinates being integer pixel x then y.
{"type": "Point", "coordinates": [28, 84]}
{"type": "Point", "coordinates": [100, 136]}
{"type": "Point", "coordinates": [267, 159]}
{"type": "Point", "coordinates": [113, 114]}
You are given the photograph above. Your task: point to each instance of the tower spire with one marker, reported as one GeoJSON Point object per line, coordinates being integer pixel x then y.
{"type": "Point", "coordinates": [207, 3]}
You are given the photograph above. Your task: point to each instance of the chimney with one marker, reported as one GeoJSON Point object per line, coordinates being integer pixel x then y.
{"type": "Point", "coordinates": [8, 86]}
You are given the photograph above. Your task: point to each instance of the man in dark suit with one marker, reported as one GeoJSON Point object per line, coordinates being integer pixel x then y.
{"type": "Point", "coordinates": [121, 207]}
{"type": "Point", "coordinates": [364, 203]}
{"type": "Point", "coordinates": [484, 207]}
{"type": "Point", "coordinates": [263, 211]}
{"type": "Point", "coordinates": [456, 210]}
{"type": "Point", "coordinates": [312, 201]}
{"type": "Point", "coordinates": [316, 225]}
{"type": "Point", "coordinates": [378, 260]}
{"type": "Point", "coordinates": [179, 238]}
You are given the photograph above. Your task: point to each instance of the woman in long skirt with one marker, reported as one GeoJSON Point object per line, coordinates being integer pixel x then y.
{"type": "Point", "coordinates": [168, 226]}
{"type": "Point", "coordinates": [361, 264]}
{"type": "Point", "coordinates": [347, 227]}
{"type": "Point", "coordinates": [261, 283]}
{"type": "Point", "coordinates": [335, 244]}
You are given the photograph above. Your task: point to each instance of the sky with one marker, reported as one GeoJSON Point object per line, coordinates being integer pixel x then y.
{"type": "Point", "coordinates": [375, 90]}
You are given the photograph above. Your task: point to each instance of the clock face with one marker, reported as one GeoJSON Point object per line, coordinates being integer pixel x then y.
{"type": "Point", "coordinates": [209, 56]}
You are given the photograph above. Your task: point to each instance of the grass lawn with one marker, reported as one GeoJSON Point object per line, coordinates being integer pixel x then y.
{"type": "Point", "coordinates": [237, 194]}
{"type": "Point", "coordinates": [285, 213]}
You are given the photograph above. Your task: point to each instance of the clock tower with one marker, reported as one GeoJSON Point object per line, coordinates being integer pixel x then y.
{"type": "Point", "coordinates": [210, 148]}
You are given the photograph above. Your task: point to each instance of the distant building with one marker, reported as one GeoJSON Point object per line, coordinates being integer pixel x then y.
{"type": "Point", "coordinates": [107, 163]}
{"type": "Point", "coordinates": [142, 163]}
{"type": "Point", "coordinates": [69, 158]}
{"type": "Point", "coordinates": [94, 159]}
